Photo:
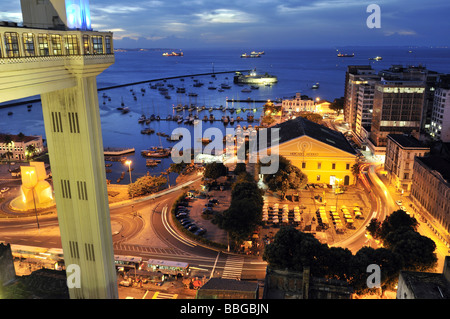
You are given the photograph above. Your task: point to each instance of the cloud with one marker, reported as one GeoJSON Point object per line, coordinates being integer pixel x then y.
{"type": "Point", "coordinates": [400, 32]}
{"type": "Point", "coordinates": [226, 16]}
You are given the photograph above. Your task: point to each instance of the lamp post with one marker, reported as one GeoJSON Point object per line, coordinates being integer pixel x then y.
{"type": "Point", "coordinates": [29, 173]}
{"type": "Point", "coordinates": [129, 170]}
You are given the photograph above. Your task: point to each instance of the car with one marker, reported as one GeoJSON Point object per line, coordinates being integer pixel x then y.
{"type": "Point", "coordinates": [192, 228]}
{"type": "Point", "coordinates": [207, 210]}
{"type": "Point", "coordinates": [188, 225]}
{"type": "Point", "coordinates": [182, 215]}
{"type": "Point", "coordinates": [214, 201]}
{"type": "Point", "coordinates": [186, 222]}
{"type": "Point", "coordinates": [4, 190]}
{"type": "Point", "coordinates": [399, 202]}
{"type": "Point", "coordinates": [209, 205]}
{"type": "Point", "coordinates": [403, 208]}
{"type": "Point", "coordinates": [200, 231]}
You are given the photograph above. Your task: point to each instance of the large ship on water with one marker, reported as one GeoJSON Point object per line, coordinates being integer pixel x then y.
{"type": "Point", "coordinates": [345, 55]}
{"type": "Point", "coordinates": [253, 54]}
{"type": "Point", "coordinates": [254, 78]}
{"type": "Point", "coordinates": [173, 54]}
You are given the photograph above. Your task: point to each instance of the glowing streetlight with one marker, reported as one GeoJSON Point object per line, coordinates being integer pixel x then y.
{"type": "Point", "coordinates": [129, 167]}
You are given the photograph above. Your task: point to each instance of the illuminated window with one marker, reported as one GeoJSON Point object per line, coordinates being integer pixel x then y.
{"type": "Point", "coordinates": [319, 165]}
{"type": "Point", "coordinates": [108, 45]}
{"type": "Point", "coordinates": [28, 44]}
{"type": "Point", "coordinates": [71, 45]}
{"type": "Point", "coordinates": [86, 44]}
{"type": "Point", "coordinates": [43, 45]}
{"type": "Point", "coordinates": [97, 44]}
{"type": "Point", "coordinates": [12, 45]}
{"type": "Point", "coordinates": [56, 44]}
{"type": "Point", "coordinates": [318, 178]}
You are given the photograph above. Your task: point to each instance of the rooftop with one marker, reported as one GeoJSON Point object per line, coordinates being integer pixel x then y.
{"type": "Point", "coordinates": [406, 141]}
{"type": "Point", "coordinates": [230, 284]}
{"type": "Point", "coordinates": [427, 285]}
{"type": "Point", "coordinates": [17, 138]}
{"type": "Point", "coordinates": [438, 164]}
{"type": "Point", "coordinates": [300, 126]}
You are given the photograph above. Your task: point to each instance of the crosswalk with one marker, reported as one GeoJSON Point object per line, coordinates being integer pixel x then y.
{"type": "Point", "coordinates": [233, 267]}
{"type": "Point", "coordinates": [164, 295]}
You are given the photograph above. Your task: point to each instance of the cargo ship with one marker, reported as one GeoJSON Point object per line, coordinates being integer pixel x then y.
{"type": "Point", "coordinates": [254, 78]}
{"type": "Point", "coordinates": [173, 54]}
{"type": "Point", "coordinates": [345, 55]}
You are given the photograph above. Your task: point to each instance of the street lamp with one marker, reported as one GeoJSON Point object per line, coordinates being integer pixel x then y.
{"type": "Point", "coordinates": [29, 173]}
{"type": "Point", "coordinates": [129, 168]}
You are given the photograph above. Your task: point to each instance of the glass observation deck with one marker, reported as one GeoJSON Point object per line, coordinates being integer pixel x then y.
{"type": "Point", "coordinates": [21, 43]}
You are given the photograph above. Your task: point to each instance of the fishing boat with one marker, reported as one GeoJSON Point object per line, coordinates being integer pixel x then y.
{"type": "Point", "coordinates": [315, 86]}
{"type": "Point", "coordinates": [377, 58]}
{"type": "Point", "coordinates": [125, 110]}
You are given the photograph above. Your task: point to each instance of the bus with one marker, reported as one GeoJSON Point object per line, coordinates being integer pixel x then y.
{"type": "Point", "coordinates": [167, 267]}
{"type": "Point", "coordinates": [130, 262]}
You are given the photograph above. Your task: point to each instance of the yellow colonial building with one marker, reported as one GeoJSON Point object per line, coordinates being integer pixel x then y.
{"type": "Point", "coordinates": [323, 154]}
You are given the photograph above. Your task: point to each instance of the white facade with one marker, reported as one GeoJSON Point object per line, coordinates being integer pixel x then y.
{"type": "Point", "coordinates": [298, 105]}
{"type": "Point", "coordinates": [19, 146]}
{"type": "Point", "coordinates": [440, 117]}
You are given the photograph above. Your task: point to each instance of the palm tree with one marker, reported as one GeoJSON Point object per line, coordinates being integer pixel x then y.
{"type": "Point", "coordinates": [31, 149]}
{"type": "Point", "coordinates": [7, 140]}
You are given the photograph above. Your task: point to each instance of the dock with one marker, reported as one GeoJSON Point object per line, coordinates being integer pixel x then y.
{"type": "Point", "coordinates": [111, 151]}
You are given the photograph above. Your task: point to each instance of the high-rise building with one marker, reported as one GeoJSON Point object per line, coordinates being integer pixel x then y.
{"type": "Point", "coordinates": [440, 116]}
{"type": "Point", "coordinates": [364, 109]}
{"type": "Point", "coordinates": [355, 76]}
{"type": "Point", "coordinates": [397, 109]}
{"type": "Point", "coordinates": [417, 73]}
{"type": "Point", "coordinates": [56, 54]}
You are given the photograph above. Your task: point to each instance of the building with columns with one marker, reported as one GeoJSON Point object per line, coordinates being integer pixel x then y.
{"type": "Point", "coordinates": [57, 55]}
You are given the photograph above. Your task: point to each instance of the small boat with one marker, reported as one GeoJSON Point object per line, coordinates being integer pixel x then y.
{"type": "Point", "coordinates": [377, 58]}
{"type": "Point", "coordinates": [211, 118]}
{"type": "Point", "coordinates": [10, 113]}
{"type": "Point", "coordinates": [125, 110]}
{"type": "Point", "coordinates": [315, 86]}
{"type": "Point", "coordinates": [205, 118]}
{"type": "Point", "coordinates": [147, 131]}
{"type": "Point", "coordinates": [159, 152]}
{"type": "Point", "coordinates": [212, 87]}
{"type": "Point", "coordinates": [152, 162]}
{"type": "Point", "coordinates": [246, 90]}
{"type": "Point", "coordinates": [142, 119]}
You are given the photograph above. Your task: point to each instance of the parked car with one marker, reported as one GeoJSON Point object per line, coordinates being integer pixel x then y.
{"type": "Point", "coordinates": [4, 190]}
{"type": "Point", "coordinates": [214, 201]}
{"type": "Point", "coordinates": [200, 231]}
{"type": "Point", "coordinates": [192, 228]}
{"type": "Point", "coordinates": [399, 202]}
{"type": "Point", "coordinates": [182, 215]}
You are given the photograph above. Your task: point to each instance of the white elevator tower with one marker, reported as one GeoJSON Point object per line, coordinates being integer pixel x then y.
{"type": "Point", "coordinates": [56, 55]}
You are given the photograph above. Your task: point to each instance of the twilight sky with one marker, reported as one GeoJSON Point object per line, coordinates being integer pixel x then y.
{"type": "Point", "coordinates": [263, 24]}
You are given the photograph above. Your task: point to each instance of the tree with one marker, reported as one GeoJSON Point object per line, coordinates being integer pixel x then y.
{"type": "Point", "coordinates": [146, 185]}
{"type": "Point", "coordinates": [31, 149]}
{"type": "Point", "coordinates": [177, 167]}
{"type": "Point", "coordinates": [337, 105]}
{"type": "Point", "coordinates": [214, 170]}
{"type": "Point", "coordinates": [287, 177]}
{"type": "Point", "coordinates": [240, 168]}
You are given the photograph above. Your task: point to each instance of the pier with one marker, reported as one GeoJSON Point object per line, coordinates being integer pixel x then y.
{"type": "Point", "coordinates": [168, 78]}
{"type": "Point", "coordinates": [131, 84]}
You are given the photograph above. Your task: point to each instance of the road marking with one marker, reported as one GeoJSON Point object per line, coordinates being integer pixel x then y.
{"type": "Point", "coordinates": [173, 232]}
{"type": "Point", "coordinates": [233, 267]}
{"type": "Point", "coordinates": [163, 295]}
